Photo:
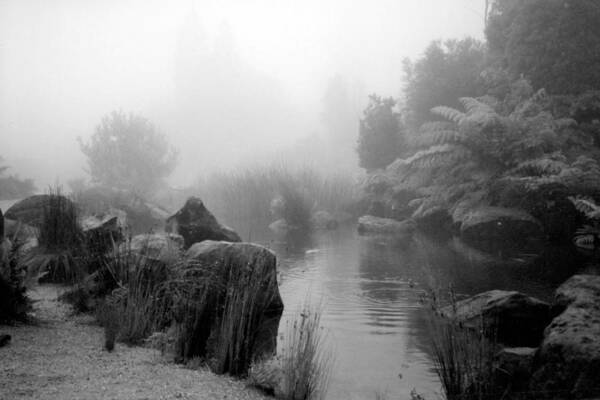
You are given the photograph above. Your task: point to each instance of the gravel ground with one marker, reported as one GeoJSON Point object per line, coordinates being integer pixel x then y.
{"type": "Point", "coordinates": [61, 357]}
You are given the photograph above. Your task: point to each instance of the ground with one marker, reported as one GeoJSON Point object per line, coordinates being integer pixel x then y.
{"type": "Point", "coordinates": [62, 357]}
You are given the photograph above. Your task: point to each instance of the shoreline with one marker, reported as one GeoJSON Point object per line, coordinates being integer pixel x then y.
{"type": "Point", "coordinates": [61, 356]}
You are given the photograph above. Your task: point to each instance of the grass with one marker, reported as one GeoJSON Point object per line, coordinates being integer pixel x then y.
{"type": "Point", "coordinates": [463, 358]}
{"type": "Point", "coordinates": [59, 257]}
{"type": "Point", "coordinates": [242, 199]}
{"type": "Point", "coordinates": [303, 365]}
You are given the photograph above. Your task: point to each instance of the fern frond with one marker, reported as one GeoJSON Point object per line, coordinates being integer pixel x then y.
{"type": "Point", "coordinates": [439, 155]}
{"type": "Point", "coordinates": [473, 106]}
{"type": "Point", "coordinates": [449, 113]}
{"type": "Point", "coordinates": [587, 206]}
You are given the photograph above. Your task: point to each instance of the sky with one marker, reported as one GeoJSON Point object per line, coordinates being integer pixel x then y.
{"type": "Point", "coordinates": [66, 63]}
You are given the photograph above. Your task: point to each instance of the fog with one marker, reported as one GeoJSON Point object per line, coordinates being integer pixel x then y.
{"type": "Point", "coordinates": [229, 82]}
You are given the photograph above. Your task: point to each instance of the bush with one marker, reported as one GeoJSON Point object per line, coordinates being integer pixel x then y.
{"type": "Point", "coordinates": [60, 255]}
{"type": "Point", "coordinates": [13, 299]}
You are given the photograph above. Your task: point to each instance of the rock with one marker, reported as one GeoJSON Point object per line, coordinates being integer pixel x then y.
{"type": "Point", "coordinates": [368, 224]}
{"type": "Point", "coordinates": [513, 368]}
{"type": "Point", "coordinates": [164, 247]}
{"type": "Point", "coordinates": [30, 210]}
{"type": "Point", "coordinates": [377, 208]}
{"type": "Point", "coordinates": [4, 340]}
{"type": "Point", "coordinates": [196, 224]}
{"type": "Point", "coordinates": [279, 227]}
{"type": "Point", "coordinates": [497, 224]}
{"type": "Point", "coordinates": [324, 220]}
{"type": "Point", "coordinates": [432, 219]}
{"type": "Point", "coordinates": [101, 232]}
{"type": "Point", "coordinates": [569, 356]}
{"type": "Point", "coordinates": [244, 280]}
{"type": "Point", "coordinates": [512, 318]}
{"type": "Point", "coordinates": [139, 215]}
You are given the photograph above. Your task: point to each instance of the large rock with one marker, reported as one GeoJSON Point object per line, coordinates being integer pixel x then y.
{"type": "Point", "coordinates": [512, 318]}
{"type": "Point", "coordinates": [323, 220]}
{"type": "Point", "coordinates": [369, 224]}
{"type": "Point", "coordinates": [499, 225]}
{"type": "Point", "coordinates": [196, 224]}
{"type": "Point", "coordinates": [101, 232]}
{"type": "Point", "coordinates": [164, 247]}
{"type": "Point", "coordinates": [243, 292]}
{"type": "Point", "coordinates": [568, 361]}
{"type": "Point", "coordinates": [513, 368]}
{"type": "Point", "coordinates": [30, 210]}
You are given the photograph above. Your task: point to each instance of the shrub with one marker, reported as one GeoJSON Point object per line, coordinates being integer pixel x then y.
{"type": "Point", "coordinates": [13, 299]}
{"type": "Point", "coordinates": [60, 254]}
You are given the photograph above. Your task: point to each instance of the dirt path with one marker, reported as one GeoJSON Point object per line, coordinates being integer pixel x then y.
{"type": "Point", "coordinates": [62, 358]}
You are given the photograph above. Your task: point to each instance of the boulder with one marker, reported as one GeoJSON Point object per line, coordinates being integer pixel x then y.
{"type": "Point", "coordinates": [30, 210]}
{"type": "Point", "coordinates": [279, 227]}
{"type": "Point", "coordinates": [323, 220]}
{"type": "Point", "coordinates": [244, 293]}
{"type": "Point", "coordinates": [568, 360]}
{"type": "Point", "coordinates": [513, 368]}
{"type": "Point", "coordinates": [196, 224]}
{"type": "Point", "coordinates": [164, 247]}
{"type": "Point", "coordinates": [499, 225]}
{"type": "Point", "coordinates": [511, 318]}
{"type": "Point", "coordinates": [101, 232]}
{"type": "Point", "coordinates": [368, 224]}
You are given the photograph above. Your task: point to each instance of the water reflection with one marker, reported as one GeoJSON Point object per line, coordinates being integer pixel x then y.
{"type": "Point", "coordinates": [371, 290]}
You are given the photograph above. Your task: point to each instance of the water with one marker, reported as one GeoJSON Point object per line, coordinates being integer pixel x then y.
{"type": "Point", "coordinates": [371, 288]}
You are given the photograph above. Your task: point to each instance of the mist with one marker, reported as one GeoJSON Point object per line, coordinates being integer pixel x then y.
{"type": "Point", "coordinates": [229, 83]}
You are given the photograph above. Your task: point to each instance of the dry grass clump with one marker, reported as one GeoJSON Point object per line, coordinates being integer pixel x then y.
{"type": "Point", "coordinates": [303, 366]}
{"type": "Point", "coordinates": [463, 358]}
{"type": "Point", "coordinates": [60, 255]}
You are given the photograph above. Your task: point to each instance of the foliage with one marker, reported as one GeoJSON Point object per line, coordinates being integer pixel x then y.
{"type": "Point", "coordinates": [13, 297]}
{"type": "Point", "coordinates": [127, 152]}
{"type": "Point", "coordinates": [61, 247]}
{"type": "Point", "coordinates": [303, 365]}
{"type": "Point", "coordinates": [12, 187]}
{"type": "Point", "coordinates": [463, 358]}
{"type": "Point", "coordinates": [242, 199]}
{"type": "Point", "coordinates": [550, 42]}
{"type": "Point", "coordinates": [305, 362]}
{"type": "Point", "coordinates": [587, 236]}
{"type": "Point", "coordinates": [446, 72]}
{"type": "Point", "coordinates": [516, 140]}
{"type": "Point", "coordinates": [380, 134]}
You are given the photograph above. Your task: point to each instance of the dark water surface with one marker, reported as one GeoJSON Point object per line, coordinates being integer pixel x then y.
{"type": "Point", "coordinates": [371, 289]}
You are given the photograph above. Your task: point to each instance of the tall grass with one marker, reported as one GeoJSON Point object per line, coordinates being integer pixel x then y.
{"type": "Point", "coordinates": [306, 362]}
{"type": "Point", "coordinates": [242, 199]}
{"type": "Point", "coordinates": [463, 358]}
{"type": "Point", "coordinates": [303, 365]}
{"type": "Point", "coordinates": [61, 246]}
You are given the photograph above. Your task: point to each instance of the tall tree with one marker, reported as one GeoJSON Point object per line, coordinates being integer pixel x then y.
{"type": "Point", "coordinates": [126, 151]}
{"type": "Point", "coordinates": [379, 137]}
{"type": "Point", "coordinates": [446, 72]}
{"type": "Point", "coordinates": [553, 43]}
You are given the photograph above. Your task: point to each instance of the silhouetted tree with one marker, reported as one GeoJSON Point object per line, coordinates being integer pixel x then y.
{"type": "Point", "coordinates": [379, 137]}
{"type": "Point", "coordinates": [446, 72]}
{"type": "Point", "coordinates": [553, 43]}
{"type": "Point", "coordinates": [127, 152]}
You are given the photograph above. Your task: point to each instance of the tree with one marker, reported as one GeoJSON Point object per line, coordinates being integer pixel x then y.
{"type": "Point", "coordinates": [553, 43]}
{"type": "Point", "coordinates": [379, 137]}
{"type": "Point", "coordinates": [127, 152]}
{"type": "Point", "coordinates": [446, 72]}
